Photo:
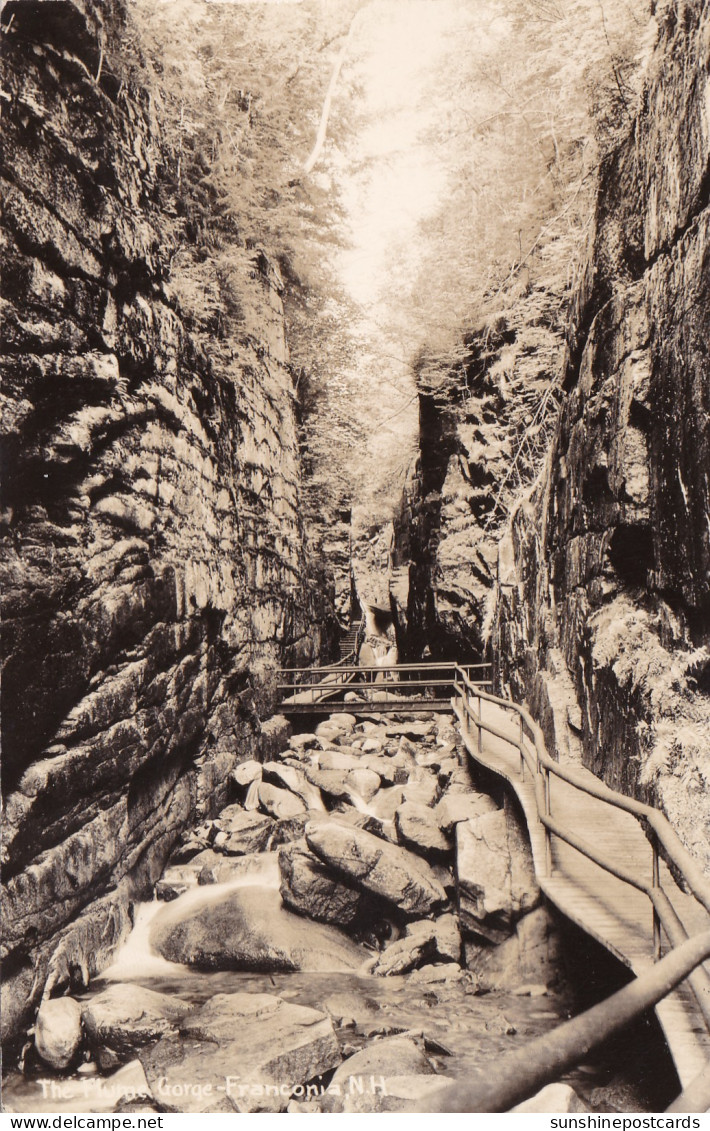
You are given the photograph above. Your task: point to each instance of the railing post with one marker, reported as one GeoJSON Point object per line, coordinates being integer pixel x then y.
{"type": "Point", "coordinates": [548, 813]}
{"type": "Point", "coordinates": [655, 883]}
{"type": "Point", "coordinates": [480, 724]}
{"type": "Point", "coordinates": [522, 757]}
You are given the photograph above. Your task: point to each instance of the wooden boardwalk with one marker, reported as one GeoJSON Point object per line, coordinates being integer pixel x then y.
{"type": "Point", "coordinates": [616, 915]}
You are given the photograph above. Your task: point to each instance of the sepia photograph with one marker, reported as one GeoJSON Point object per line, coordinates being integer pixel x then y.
{"type": "Point", "coordinates": [355, 560]}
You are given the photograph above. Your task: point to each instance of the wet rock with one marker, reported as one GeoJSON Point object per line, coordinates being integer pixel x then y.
{"type": "Point", "coordinates": [390, 1057]}
{"type": "Point", "coordinates": [296, 782]}
{"type": "Point", "coordinates": [248, 929]}
{"type": "Point", "coordinates": [353, 785]}
{"type": "Point", "coordinates": [494, 886]}
{"type": "Point", "coordinates": [280, 803]}
{"type": "Point", "coordinates": [436, 974]}
{"type": "Point", "coordinates": [124, 1018]}
{"type": "Point", "coordinates": [387, 871]}
{"type": "Point", "coordinates": [179, 878]}
{"type": "Point", "coordinates": [456, 807]}
{"type": "Point", "coordinates": [344, 1006]}
{"type": "Point", "coordinates": [309, 887]}
{"type": "Point", "coordinates": [417, 828]}
{"type": "Point", "coordinates": [552, 1099]}
{"type": "Point", "coordinates": [532, 955]}
{"type": "Point", "coordinates": [221, 870]}
{"type": "Point", "coordinates": [247, 772]}
{"type": "Point", "coordinates": [247, 1049]}
{"type": "Point", "coordinates": [58, 1031]}
{"type": "Point", "coordinates": [244, 832]}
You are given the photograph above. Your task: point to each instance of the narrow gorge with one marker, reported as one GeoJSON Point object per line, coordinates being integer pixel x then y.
{"type": "Point", "coordinates": [222, 466]}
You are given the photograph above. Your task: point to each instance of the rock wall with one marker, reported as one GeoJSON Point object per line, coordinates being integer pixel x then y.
{"type": "Point", "coordinates": [153, 573]}
{"type": "Point", "coordinates": [603, 613]}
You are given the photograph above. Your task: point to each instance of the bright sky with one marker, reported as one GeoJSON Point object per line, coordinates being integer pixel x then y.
{"type": "Point", "coordinates": [395, 44]}
{"type": "Point", "coordinates": [390, 182]}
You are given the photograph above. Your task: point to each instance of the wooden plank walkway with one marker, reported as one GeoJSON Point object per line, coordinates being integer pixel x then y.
{"type": "Point", "coordinates": [615, 914]}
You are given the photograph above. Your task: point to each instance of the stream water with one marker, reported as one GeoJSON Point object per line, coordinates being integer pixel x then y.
{"type": "Point", "coordinates": [464, 1031]}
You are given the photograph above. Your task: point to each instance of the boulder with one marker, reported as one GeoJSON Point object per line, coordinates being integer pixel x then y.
{"type": "Point", "coordinates": [424, 941]}
{"type": "Point", "coordinates": [364, 782]}
{"type": "Point", "coordinates": [456, 807]}
{"type": "Point", "coordinates": [244, 832]}
{"type": "Point", "coordinates": [309, 887]}
{"type": "Point", "coordinates": [423, 792]}
{"type": "Point", "coordinates": [382, 766]}
{"type": "Point", "coordinates": [494, 886]}
{"type": "Point", "coordinates": [124, 1018]}
{"type": "Point", "coordinates": [372, 746]}
{"type": "Point", "coordinates": [179, 878]}
{"type": "Point", "coordinates": [385, 802]}
{"type": "Point", "coordinates": [245, 1052]}
{"type": "Point", "coordinates": [248, 929]}
{"type": "Point", "coordinates": [414, 731]}
{"type": "Point", "coordinates": [390, 1057]}
{"type": "Point", "coordinates": [532, 956]}
{"type": "Point", "coordinates": [58, 1031]}
{"type": "Point", "coordinates": [383, 869]}
{"type": "Point", "coordinates": [280, 803]}
{"type": "Point", "coordinates": [194, 841]}
{"type": "Point", "coordinates": [553, 1099]}
{"type": "Point", "coordinates": [221, 870]}
{"type": "Point", "coordinates": [337, 760]}
{"type": "Point", "coordinates": [301, 742]}
{"type": "Point", "coordinates": [247, 772]}
{"type": "Point", "coordinates": [418, 829]}
{"type": "Point", "coordinates": [431, 975]}
{"type": "Point", "coordinates": [344, 720]}
{"type": "Point", "coordinates": [296, 782]}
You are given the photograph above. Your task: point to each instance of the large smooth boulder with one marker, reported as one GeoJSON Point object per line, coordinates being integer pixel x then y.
{"type": "Point", "coordinates": [390, 1057]}
{"type": "Point", "coordinates": [457, 807]}
{"type": "Point", "coordinates": [247, 929]}
{"type": "Point", "coordinates": [244, 1052]}
{"type": "Point", "coordinates": [386, 802]}
{"type": "Point", "coordinates": [294, 779]}
{"type": "Point", "coordinates": [310, 888]}
{"type": "Point", "coordinates": [354, 785]}
{"type": "Point", "coordinates": [495, 878]}
{"type": "Point", "coordinates": [300, 742]}
{"type": "Point", "coordinates": [247, 772]}
{"type": "Point", "coordinates": [58, 1031]}
{"type": "Point", "coordinates": [280, 803]}
{"type": "Point", "coordinates": [124, 1018]}
{"type": "Point", "coordinates": [384, 869]}
{"type": "Point", "coordinates": [418, 829]}
{"type": "Point", "coordinates": [243, 832]}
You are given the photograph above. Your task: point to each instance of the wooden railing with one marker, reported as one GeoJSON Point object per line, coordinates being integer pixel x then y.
{"type": "Point", "coordinates": [469, 700]}
{"type": "Point", "coordinates": [419, 678]}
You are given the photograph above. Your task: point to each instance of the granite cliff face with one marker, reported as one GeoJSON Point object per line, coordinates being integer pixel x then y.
{"type": "Point", "coordinates": [153, 571]}
{"type": "Point", "coordinates": [603, 598]}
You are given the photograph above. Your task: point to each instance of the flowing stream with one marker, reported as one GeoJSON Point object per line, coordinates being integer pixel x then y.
{"type": "Point", "coordinates": [442, 1007]}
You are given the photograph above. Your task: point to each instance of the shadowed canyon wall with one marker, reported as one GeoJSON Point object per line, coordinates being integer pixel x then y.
{"type": "Point", "coordinates": [603, 599]}
{"type": "Point", "coordinates": [153, 571]}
